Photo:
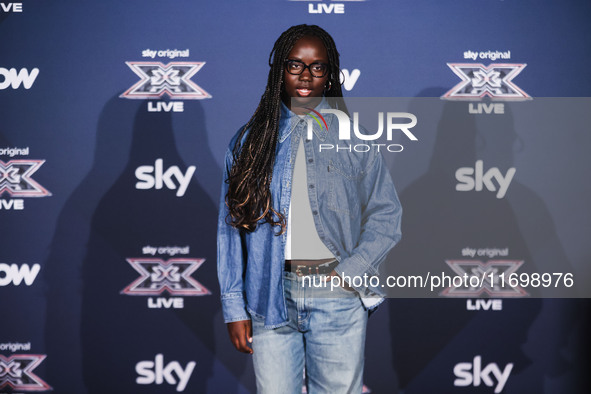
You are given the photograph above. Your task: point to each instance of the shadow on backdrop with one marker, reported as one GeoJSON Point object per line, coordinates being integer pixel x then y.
{"type": "Point", "coordinates": [90, 323]}
{"type": "Point", "coordinates": [431, 336]}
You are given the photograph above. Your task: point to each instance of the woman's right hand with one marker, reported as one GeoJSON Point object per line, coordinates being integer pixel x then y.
{"type": "Point", "coordinates": [240, 333]}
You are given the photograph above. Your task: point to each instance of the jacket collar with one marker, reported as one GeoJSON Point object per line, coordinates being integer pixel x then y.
{"type": "Point", "coordinates": [289, 121]}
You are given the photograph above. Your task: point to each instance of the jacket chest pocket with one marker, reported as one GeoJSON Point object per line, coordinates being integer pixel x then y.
{"type": "Point", "coordinates": [344, 183]}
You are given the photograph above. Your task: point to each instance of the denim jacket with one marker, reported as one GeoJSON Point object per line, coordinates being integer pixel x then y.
{"type": "Point", "coordinates": [355, 208]}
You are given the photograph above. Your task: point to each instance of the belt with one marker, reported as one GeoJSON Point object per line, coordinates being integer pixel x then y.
{"type": "Point", "coordinates": [303, 270]}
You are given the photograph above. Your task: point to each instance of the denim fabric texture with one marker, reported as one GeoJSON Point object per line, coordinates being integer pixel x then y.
{"type": "Point", "coordinates": [356, 212]}
{"type": "Point", "coordinates": [325, 333]}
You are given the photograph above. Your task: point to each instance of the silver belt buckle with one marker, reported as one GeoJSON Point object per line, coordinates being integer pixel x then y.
{"type": "Point", "coordinates": [298, 270]}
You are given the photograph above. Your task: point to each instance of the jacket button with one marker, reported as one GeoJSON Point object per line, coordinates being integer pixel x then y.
{"type": "Point", "coordinates": [311, 186]}
{"type": "Point", "coordinates": [310, 160]}
{"type": "Point", "coordinates": [314, 212]}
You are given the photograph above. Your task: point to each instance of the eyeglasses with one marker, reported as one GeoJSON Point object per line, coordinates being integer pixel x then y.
{"type": "Point", "coordinates": [296, 67]}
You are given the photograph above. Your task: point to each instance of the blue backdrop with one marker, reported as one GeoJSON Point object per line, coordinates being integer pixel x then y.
{"type": "Point", "coordinates": [110, 175]}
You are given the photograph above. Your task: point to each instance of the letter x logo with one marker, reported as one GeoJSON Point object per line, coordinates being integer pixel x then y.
{"type": "Point", "coordinates": [173, 79]}
{"type": "Point", "coordinates": [15, 178]}
{"type": "Point", "coordinates": [483, 271]}
{"type": "Point", "coordinates": [173, 276]}
{"type": "Point", "coordinates": [16, 371]}
{"type": "Point", "coordinates": [479, 81]}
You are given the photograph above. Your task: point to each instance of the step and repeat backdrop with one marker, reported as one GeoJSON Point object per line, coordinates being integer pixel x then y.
{"type": "Point", "coordinates": [114, 120]}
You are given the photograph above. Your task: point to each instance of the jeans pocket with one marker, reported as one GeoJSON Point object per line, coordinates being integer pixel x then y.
{"type": "Point", "coordinates": [341, 291]}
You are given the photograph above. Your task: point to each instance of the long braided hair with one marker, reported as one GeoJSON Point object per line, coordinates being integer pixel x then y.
{"type": "Point", "coordinates": [249, 195]}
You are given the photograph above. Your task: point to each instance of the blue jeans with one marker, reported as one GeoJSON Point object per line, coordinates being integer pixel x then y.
{"type": "Point", "coordinates": [325, 334]}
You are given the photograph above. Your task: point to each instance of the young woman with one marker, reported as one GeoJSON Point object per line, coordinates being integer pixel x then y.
{"type": "Point", "coordinates": [289, 213]}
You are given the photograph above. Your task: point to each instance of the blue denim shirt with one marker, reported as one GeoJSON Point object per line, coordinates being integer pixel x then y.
{"type": "Point", "coordinates": [355, 208]}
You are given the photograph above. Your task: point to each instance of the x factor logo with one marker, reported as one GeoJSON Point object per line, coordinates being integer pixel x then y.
{"type": "Point", "coordinates": [488, 275]}
{"type": "Point", "coordinates": [173, 276]}
{"type": "Point", "coordinates": [16, 371]}
{"type": "Point", "coordinates": [173, 79]}
{"type": "Point", "coordinates": [15, 178]}
{"type": "Point", "coordinates": [494, 81]}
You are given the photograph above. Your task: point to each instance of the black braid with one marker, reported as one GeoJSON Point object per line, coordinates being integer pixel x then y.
{"type": "Point", "coordinates": [249, 196]}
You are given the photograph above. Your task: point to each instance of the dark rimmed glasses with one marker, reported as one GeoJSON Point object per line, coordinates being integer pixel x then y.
{"type": "Point", "coordinates": [296, 67]}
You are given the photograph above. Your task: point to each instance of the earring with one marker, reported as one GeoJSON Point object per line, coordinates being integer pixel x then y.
{"type": "Point", "coordinates": [329, 86]}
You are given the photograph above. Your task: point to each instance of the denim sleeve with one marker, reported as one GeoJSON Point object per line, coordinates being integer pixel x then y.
{"type": "Point", "coordinates": [380, 224]}
{"type": "Point", "coordinates": [230, 259]}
